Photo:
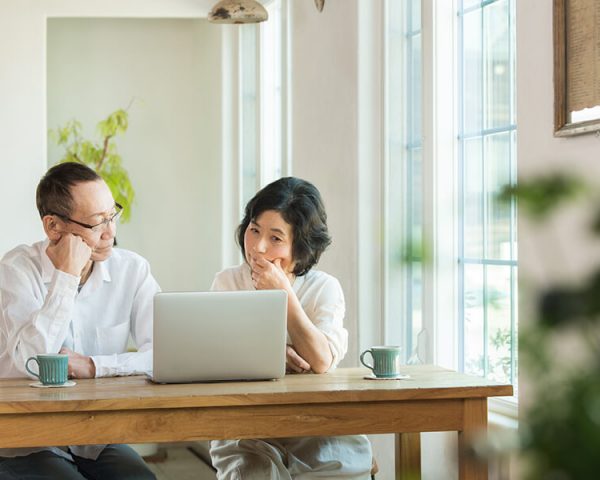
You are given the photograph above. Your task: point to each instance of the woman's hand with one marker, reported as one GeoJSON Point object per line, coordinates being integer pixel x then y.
{"type": "Point", "coordinates": [294, 363]}
{"type": "Point", "coordinates": [269, 275]}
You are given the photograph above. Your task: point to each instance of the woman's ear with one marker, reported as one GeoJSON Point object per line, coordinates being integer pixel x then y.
{"type": "Point", "coordinates": [52, 228]}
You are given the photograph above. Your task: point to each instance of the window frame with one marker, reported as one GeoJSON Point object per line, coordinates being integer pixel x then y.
{"type": "Point", "coordinates": [441, 208]}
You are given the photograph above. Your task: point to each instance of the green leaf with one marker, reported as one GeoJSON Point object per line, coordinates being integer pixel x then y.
{"type": "Point", "coordinates": [107, 163]}
{"type": "Point", "coordinates": [544, 194]}
{"type": "Point", "coordinates": [117, 122]}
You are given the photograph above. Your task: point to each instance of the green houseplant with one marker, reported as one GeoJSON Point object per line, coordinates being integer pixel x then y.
{"type": "Point", "coordinates": [560, 431]}
{"type": "Point", "coordinates": [101, 156]}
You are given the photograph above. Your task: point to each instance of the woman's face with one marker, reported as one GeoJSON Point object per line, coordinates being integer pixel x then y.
{"type": "Point", "coordinates": [269, 236]}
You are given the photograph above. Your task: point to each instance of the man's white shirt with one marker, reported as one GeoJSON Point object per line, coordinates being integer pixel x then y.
{"type": "Point", "coordinates": [42, 309]}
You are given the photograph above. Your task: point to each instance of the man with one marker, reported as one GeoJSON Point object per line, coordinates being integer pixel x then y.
{"type": "Point", "coordinates": [74, 294]}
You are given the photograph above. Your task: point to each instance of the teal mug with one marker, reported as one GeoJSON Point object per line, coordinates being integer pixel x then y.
{"type": "Point", "coordinates": [52, 368]}
{"type": "Point", "coordinates": [386, 361]}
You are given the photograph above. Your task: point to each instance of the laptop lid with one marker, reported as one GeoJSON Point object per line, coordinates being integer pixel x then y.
{"type": "Point", "coordinates": [212, 336]}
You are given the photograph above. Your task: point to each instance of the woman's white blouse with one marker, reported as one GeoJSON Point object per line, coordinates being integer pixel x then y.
{"type": "Point", "coordinates": [320, 296]}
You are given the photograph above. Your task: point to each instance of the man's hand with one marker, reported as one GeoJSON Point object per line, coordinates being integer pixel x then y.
{"type": "Point", "coordinates": [294, 363]}
{"type": "Point", "coordinates": [70, 254]}
{"type": "Point", "coordinates": [80, 366]}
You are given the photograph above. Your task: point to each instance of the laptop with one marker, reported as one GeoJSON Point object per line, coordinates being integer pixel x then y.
{"type": "Point", "coordinates": [216, 336]}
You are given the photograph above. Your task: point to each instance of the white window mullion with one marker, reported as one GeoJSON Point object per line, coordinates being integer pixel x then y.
{"type": "Point", "coordinates": [259, 111]}
{"type": "Point", "coordinates": [445, 186]}
{"type": "Point", "coordinates": [273, 98]}
{"type": "Point", "coordinates": [439, 183]}
{"type": "Point", "coordinates": [286, 86]}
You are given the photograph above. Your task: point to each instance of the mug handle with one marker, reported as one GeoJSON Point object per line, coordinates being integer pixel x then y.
{"type": "Point", "coordinates": [363, 362]}
{"type": "Point", "coordinates": [27, 367]}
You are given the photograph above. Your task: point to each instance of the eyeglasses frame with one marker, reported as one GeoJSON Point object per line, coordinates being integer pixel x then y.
{"type": "Point", "coordinates": [94, 228]}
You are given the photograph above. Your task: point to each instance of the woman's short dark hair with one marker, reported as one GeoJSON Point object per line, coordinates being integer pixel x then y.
{"type": "Point", "coordinates": [300, 205]}
{"type": "Point", "coordinates": [53, 194]}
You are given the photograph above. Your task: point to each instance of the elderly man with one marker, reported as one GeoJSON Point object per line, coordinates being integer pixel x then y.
{"type": "Point", "coordinates": [75, 294]}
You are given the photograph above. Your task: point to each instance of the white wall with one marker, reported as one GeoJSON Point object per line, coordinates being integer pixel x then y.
{"type": "Point", "coordinates": [324, 131]}
{"type": "Point", "coordinates": [172, 68]}
{"type": "Point", "coordinates": [23, 126]}
{"type": "Point", "coordinates": [563, 249]}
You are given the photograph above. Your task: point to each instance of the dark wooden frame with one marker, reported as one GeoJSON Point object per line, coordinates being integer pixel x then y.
{"type": "Point", "coordinates": [562, 125]}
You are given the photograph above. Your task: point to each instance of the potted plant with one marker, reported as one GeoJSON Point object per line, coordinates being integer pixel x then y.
{"type": "Point", "coordinates": [101, 156]}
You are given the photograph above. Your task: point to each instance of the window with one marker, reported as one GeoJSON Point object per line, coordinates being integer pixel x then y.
{"type": "Point", "coordinates": [249, 112]}
{"type": "Point", "coordinates": [272, 124]}
{"type": "Point", "coordinates": [404, 182]}
{"type": "Point", "coordinates": [487, 257]}
{"type": "Point", "coordinates": [254, 143]}
{"type": "Point", "coordinates": [261, 60]}
{"type": "Point", "coordinates": [477, 61]}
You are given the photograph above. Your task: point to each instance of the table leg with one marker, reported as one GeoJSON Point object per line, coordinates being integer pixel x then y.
{"type": "Point", "coordinates": [474, 428]}
{"type": "Point", "coordinates": [408, 456]}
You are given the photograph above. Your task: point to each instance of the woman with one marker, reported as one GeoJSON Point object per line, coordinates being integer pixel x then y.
{"type": "Point", "coordinates": [282, 236]}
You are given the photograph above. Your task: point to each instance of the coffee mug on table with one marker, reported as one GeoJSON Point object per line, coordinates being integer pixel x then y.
{"type": "Point", "coordinates": [386, 361]}
{"type": "Point", "coordinates": [52, 368]}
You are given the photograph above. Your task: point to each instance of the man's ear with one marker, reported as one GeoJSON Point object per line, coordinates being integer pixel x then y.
{"type": "Point", "coordinates": [52, 228]}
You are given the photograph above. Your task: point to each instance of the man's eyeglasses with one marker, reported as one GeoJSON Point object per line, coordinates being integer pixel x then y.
{"type": "Point", "coordinates": [99, 226]}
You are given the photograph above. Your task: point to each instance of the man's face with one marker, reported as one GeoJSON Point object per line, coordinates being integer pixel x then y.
{"type": "Point", "coordinates": [92, 204]}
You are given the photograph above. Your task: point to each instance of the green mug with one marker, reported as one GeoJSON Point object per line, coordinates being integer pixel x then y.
{"type": "Point", "coordinates": [52, 368]}
{"type": "Point", "coordinates": [386, 361]}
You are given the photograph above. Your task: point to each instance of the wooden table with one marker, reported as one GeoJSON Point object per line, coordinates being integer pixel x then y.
{"type": "Point", "coordinates": [132, 410]}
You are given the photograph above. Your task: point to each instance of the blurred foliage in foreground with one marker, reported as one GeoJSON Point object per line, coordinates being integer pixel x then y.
{"type": "Point", "coordinates": [560, 431]}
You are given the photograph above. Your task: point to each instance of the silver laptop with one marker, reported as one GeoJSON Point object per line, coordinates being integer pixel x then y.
{"type": "Point", "coordinates": [213, 336]}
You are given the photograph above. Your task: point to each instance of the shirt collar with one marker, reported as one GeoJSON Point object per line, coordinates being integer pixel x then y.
{"type": "Point", "coordinates": [99, 275]}
{"type": "Point", "coordinates": [103, 268]}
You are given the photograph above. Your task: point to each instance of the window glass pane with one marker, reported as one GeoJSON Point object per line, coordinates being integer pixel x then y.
{"type": "Point", "coordinates": [498, 309]}
{"type": "Point", "coordinates": [395, 280]}
{"type": "Point", "coordinates": [415, 202]}
{"type": "Point", "coordinates": [470, 3]}
{"type": "Point", "coordinates": [515, 332]}
{"type": "Point", "coordinates": [414, 235]}
{"type": "Point", "coordinates": [415, 14]}
{"type": "Point", "coordinates": [404, 173]}
{"type": "Point", "coordinates": [474, 320]}
{"type": "Point", "coordinates": [416, 282]}
{"type": "Point", "coordinates": [473, 198]}
{"type": "Point", "coordinates": [248, 92]}
{"type": "Point", "coordinates": [513, 61]}
{"type": "Point", "coordinates": [415, 91]}
{"type": "Point", "coordinates": [497, 64]}
{"type": "Point", "coordinates": [513, 181]}
{"type": "Point", "coordinates": [472, 72]}
{"type": "Point", "coordinates": [271, 95]}
{"type": "Point", "coordinates": [413, 185]}
{"type": "Point", "coordinates": [498, 175]}
{"type": "Point", "coordinates": [487, 157]}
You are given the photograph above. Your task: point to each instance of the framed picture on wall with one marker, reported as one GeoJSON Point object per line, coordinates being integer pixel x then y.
{"type": "Point", "coordinates": [576, 67]}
